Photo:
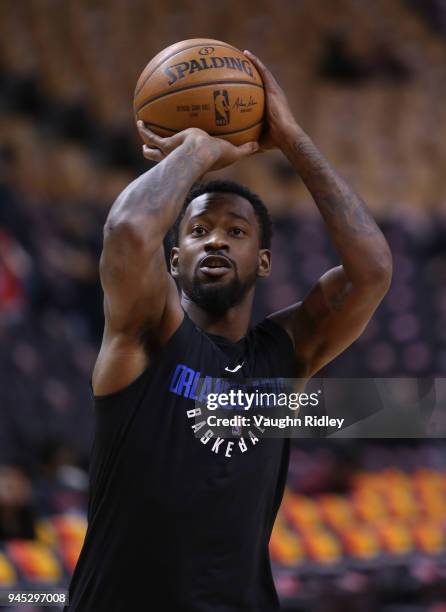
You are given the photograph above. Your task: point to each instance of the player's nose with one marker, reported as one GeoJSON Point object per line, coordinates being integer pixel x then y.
{"type": "Point", "coordinates": [216, 240]}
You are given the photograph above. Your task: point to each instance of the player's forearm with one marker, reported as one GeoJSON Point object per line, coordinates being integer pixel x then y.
{"type": "Point", "coordinates": [363, 250]}
{"type": "Point", "coordinates": [150, 205]}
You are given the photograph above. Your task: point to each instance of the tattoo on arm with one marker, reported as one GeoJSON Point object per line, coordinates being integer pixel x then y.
{"type": "Point", "coordinates": [336, 201]}
{"type": "Point", "coordinates": [358, 240]}
{"type": "Point", "coordinates": [329, 320]}
{"type": "Point", "coordinates": [173, 177]}
{"type": "Point", "coordinates": [162, 189]}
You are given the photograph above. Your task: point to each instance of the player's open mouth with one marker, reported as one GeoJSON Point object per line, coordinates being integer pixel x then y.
{"type": "Point", "coordinates": [215, 265]}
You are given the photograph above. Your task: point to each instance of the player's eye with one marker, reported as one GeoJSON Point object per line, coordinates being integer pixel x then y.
{"type": "Point", "coordinates": [198, 230]}
{"type": "Point", "coordinates": [237, 231]}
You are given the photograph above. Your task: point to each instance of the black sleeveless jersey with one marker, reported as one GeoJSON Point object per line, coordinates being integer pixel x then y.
{"type": "Point", "coordinates": [179, 522]}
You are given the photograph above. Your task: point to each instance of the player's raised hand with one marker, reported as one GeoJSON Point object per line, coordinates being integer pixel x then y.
{"type": "Point", "coordinates": [223, 153]}
{"type": "Point", "coordinates": [279, 116]}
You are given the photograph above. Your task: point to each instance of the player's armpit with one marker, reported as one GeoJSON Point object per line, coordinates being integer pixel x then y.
{"type": "Point", "coordinates": [332, 316]}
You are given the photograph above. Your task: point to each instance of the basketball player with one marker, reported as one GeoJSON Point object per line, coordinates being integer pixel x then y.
{"type": "Point", "coordinates": [179, 519]}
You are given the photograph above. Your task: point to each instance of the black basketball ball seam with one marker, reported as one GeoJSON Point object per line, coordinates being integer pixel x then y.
{"type": "Point", "coordinates": [176, 53]}
{"type": "Point", "coordinates": [249, 127]}
{"type": "Point", "coordinates": [169, 93]}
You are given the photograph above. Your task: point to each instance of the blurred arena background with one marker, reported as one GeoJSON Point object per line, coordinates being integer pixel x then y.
{"type": "Point", "coordinates": [363, 523]}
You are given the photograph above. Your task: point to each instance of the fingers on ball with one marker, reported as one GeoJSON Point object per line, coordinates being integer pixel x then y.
{"type": "Point", "coordinates": [249, 148]}
{"type": "Point", "coordinates": [152, 154]}
{"type": "Point", "coordinates": [146, 133]}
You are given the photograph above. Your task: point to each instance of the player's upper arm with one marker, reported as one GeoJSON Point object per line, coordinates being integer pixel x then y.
{"type": "Point", "coordinates": [330, 318]}
{"type": "Point", "coordinates": [137, 286]}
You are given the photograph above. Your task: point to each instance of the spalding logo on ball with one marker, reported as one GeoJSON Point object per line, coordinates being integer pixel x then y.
{"type": "Point", "coordinates": [201, 83]}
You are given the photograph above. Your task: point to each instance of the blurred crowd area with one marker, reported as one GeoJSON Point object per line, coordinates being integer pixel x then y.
{"type": "Point", "coordinates": [367, 81]}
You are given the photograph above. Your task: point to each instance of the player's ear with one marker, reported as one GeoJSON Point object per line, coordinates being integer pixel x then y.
{"type": "Point", "coordinates": [174, 261]}
{"type": "Point", "coordinates": [264, 263]}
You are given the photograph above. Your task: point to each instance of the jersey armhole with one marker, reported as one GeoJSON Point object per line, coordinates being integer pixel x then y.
{"type": "Point", "coordinates": [281, 334]}
{"type": "Point", "coordinates": [286, 350]}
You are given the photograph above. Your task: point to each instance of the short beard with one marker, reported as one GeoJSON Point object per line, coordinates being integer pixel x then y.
{"type": "Point", "coordinates": [218, 300]}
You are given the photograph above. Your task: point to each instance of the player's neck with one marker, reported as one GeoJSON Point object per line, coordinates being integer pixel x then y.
{"type": "Point", "coordinates": [233, 324]}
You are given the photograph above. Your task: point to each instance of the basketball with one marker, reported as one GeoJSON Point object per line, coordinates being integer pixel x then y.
{"type": "Point", "coordinates": [201, 83]}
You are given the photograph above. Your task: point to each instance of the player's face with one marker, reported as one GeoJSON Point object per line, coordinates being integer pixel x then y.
{"type": "Point", "coordinates": [219, 255]}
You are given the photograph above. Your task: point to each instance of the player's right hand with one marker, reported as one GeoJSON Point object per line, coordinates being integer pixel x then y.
{"type": "Point", "coordinates": [201, 144]}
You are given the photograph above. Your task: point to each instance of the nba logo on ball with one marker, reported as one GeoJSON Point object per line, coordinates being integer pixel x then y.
{"type": "Point", "coordinates": [221, 106]}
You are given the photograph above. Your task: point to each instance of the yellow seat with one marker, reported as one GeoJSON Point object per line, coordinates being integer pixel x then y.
{"type": "Point", "coordinates": [429, 537]}
{"type": "Point", "coordinates": [8, 576]}
{"type": "Point", "coordinates": [360, 541]}
{"type": "Point", "coordinates": [322, 546]}
{"type": "Point", "coordinates": [35, 560]}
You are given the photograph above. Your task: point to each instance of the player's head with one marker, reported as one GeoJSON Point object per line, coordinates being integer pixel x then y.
{"type": "Point", "coordinates": [221, 244]}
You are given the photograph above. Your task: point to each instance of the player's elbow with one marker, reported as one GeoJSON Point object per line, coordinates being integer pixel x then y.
{"type": "Point", "coordinates": [129, 229]}
{"type": "Point", "coordinates": [378, 277]}
{"type": "Point", "coordinates": [126, 235]}
{"type": "Point", "coordinates": [122, 231]}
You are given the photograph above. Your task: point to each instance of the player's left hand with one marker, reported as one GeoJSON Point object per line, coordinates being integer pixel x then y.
{"type": "Point", "coordinates": [200, 144]}
{"type": "Point", "coordinates": [279, 118]}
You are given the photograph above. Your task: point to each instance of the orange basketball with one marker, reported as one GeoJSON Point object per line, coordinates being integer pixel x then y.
{"type": "Point", "coordinates": [201, 83]}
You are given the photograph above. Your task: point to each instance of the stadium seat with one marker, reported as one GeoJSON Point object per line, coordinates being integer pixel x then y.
{"type": "Point", "coordinates": [37, 562]}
